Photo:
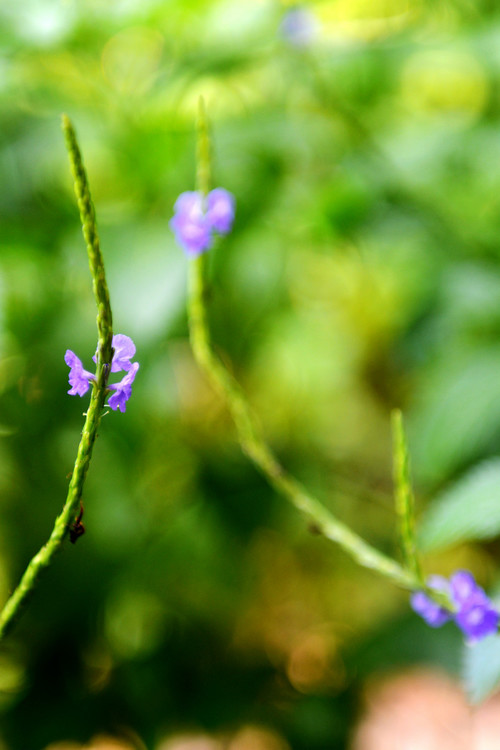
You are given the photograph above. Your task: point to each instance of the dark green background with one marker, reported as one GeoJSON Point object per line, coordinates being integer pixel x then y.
{"type": "Point", "coordinates": [362, 274]}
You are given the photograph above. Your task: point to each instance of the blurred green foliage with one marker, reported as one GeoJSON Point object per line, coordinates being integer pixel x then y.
{"type": "Point", "coordinates": [363, 273]}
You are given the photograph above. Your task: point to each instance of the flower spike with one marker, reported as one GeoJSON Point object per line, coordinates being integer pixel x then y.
{"type": "Point", "coordinates": [474, 613]}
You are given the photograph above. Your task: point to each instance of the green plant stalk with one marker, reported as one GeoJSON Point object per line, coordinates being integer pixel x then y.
{"type": "Point", "coordinates": [254, 446]}
{"type": "Point", "coordinates": [14, 605]}
{"type": "Point", "coordinates": [403, 496]}
{"type": "Point", "coordinates": [89, 229]}
{"type": "Point", "coordinates": [249, 433]}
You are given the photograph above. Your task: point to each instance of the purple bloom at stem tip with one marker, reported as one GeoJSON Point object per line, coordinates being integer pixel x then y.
{"type": "Point", "coordinates": [474, 612]}
{"type": "Point", "coordinates": [194, 223]}
{"type": "Point", "coordinates": [123, 389]}
{"type": "Point", "coordinates": [476, 615]}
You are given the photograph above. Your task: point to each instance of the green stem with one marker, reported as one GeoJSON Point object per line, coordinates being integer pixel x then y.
{"type": "Point", "coordinates": [89, 229]}
{"type": "Point", "coordinates": [404, 499]}
{"type": "Point", "coordinates": [13, 607]}
{"type": "Point", "coordinates": [254, 446]}
{"type": "Point", "coordinates": [249, 434]}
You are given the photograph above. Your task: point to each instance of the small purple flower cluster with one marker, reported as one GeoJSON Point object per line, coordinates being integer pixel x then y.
{"type": "Point", "coordinates": [123, 351]}
{"type": "Point", "coordinates": [474, 612]}
{"type": "Point", "coordinates": [195, 220]}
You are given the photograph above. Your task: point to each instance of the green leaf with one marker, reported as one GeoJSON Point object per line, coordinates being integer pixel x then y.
{"type": "Point", "coordinates": [481, 668]}
{"type": "Point", "coordinates": [468, 510]}
{"type": "Point", "coordinates": [458, 414]}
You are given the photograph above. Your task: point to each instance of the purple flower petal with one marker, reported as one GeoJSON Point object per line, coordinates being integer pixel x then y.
{"type": "Point", "coordinates": [478, 619]}
{"type": "Point", "coordinates": [123, 389]}
{"type": "Point", "coordinates": [463, 586]}
{"type": "Point", "coordinates": [433, 613]}
{"type": "Point", "coordinates": [220, 210]}
{"type": "Point", "coordinates": [190, 225]}
{"type": "Point", "coordinates": [476, 615]}
{"type": "Point", "coordinates": [189, 203]}
{"type": "Point", "coordinates": [79, 379]}
{"type": "Point", "coordinates": [439, 583]}
{"type": "Point", "coordinates": [72, 360]}
{"type": "Point", "coordinates": [193, 237]}
{"type": "Point", "coordinates": [123, 351]}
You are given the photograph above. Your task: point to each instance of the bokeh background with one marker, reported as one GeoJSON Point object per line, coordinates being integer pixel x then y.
{"type": "Point", "coordinates": [363, 273]}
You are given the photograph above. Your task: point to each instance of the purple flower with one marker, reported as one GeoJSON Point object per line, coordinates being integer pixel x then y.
{"type": "Point", "coordinates": [474, 612]}
{"type": "Point", "coordinates": [220, 210]}
{"type": "Point", "coordinates": [79, 379]}
{"type": "Point", "coordinates": [299, 27]}
{"type": "Point", "coordinates": [123, 389]}
{"type": "Point", "coordinates": [194, 224]}
{"type": "Point", "coordinates": [476, 615]}
{"type": "Point", "coordinates": [190, 224]}
{"type": "Point", "coordinates": [463, 586]}
{"type": "Point", "coordinates": [431, 611]}
{"type": "Point", "coordinates": [123, 351]}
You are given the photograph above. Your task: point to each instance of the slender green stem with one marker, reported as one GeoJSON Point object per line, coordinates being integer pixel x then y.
{"type": "Point", "coordinates": [89, 229]}
{"type": "Point", "coordinates": [13, 607]}
{"type": "Point", "coordinates": [255, 447]}
{"type": "Point", "coordinates": [204, 154]}
{"type": "Point", "coordinates": [403, 495]}
{"type": "Point", "coordinates": [249, 433]}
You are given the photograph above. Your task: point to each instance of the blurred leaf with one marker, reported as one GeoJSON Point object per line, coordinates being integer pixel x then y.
{"type": "Point", "coordinates": [459, 412]}
{"type": "Point", "coordinates": [481, 668]}
{"type": "Point", "coordinates": [469, 509]}
{"type": "Point", "coordinates": [470, 296]}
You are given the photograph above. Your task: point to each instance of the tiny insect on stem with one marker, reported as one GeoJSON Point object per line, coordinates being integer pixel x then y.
{"type": "Point", "coordinates": [77, 529]}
